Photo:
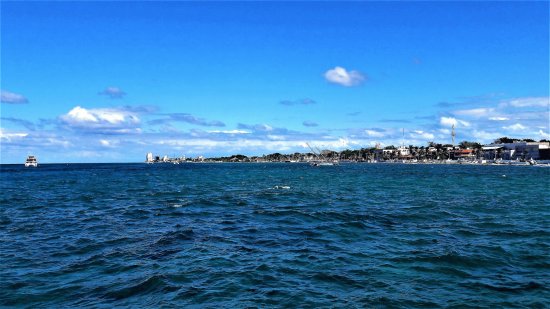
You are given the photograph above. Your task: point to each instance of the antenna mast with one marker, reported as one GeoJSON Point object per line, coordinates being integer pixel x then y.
{"type": "Point", "coordinates": [453, 134]}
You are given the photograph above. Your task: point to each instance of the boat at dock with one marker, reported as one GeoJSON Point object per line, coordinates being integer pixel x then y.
{"type": "Point", "coordinates": [321, 159]}
{"type": "Point", "coordinates": [321, 163]}
{"type": "Point", "coordinates": [31, 162]}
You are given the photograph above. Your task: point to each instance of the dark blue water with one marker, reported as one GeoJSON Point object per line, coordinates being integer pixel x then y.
{"type": "Point", "coordinates": [263, 235]}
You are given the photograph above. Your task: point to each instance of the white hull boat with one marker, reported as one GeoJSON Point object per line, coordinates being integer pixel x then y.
{"type": "Point", "coordinates": [31, 162]}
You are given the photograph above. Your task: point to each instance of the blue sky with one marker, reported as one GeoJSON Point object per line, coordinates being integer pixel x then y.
{"type": "Point", "coordinates": [110, 81]}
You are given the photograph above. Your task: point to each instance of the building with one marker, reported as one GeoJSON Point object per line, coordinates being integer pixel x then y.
{"type": "Point", "coordinates": [462, 154]}
{"type": "Point", "coordinates": [404, 151]}
{"type": "Point", "coordinates": [518, 150]}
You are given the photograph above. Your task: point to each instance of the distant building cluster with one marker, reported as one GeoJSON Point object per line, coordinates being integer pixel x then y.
{"type": "Point", "coordinates": [150, 158]}
{"type": "Point", "coordinates": [518, 150]}
{"type": "Point", "coordinates": [466, 152]}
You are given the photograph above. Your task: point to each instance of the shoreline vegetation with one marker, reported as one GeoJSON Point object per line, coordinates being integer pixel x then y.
{"type": "Point", "coordinates": [502, 151]}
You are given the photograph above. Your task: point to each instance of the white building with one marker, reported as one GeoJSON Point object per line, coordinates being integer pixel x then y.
{"type": "Point", "coordinates": [404, 151]}
{"type": "Point", "coordinates": [149, 157]}
{"type": "Point", "coordinates": [517, 150]}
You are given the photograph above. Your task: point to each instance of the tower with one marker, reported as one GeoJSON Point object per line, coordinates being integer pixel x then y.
{"type": "Point", "coordinates": [403, 139]}
{"type": "Point", "coordinates": [453, 134]}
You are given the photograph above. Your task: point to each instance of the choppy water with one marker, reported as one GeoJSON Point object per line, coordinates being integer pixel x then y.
{"type": "Point", "coordinates": [240, 235]}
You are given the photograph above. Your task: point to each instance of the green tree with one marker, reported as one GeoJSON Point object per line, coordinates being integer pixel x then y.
{"type": "Point", "coordinates": [504, 140]}
{"type": "Point", "coordinates": [471, 145]}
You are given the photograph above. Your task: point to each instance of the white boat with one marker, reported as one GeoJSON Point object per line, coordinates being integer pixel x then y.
{"type": "Point", "coordinates": [321, 159]}
{"type": "Point", "coordinates": [31, 161]}
{"type": "Point", "coordinates": [321, 163]}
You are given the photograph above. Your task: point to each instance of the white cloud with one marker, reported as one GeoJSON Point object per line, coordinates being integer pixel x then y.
{"type": "Point", "coordinates": [475, 112]}
{"type": "Point", "coordinates": [276, 137]}
{"type": "Point", "coordinates": [341, 76]}
{"type": "Point", "coordinates": [424, 135]}
{"type": "Point", "coordinates": [8, 136]}
{"type": "Point", "coordinates": [109, 143]}
{"type": "Point", "coordinates": [544, 135]}
{"type": "Point", "coordinates": [511, 116]}
{"type": "Point", "coordinates": [499, 118]}
{"type": "Point", "coordinates": [113, 120]}
{"type": "Point", "coordinates": [373, 133]}
{"type": "Point", "coordinates": [80, 114]}
{"type": "Point", "coordinates": [515, 127]}
{"type": "Point", "coordinates": [56, 142]}
{"type": "Point", "coordinates": [447, 121]}
{"type": "Point", "coordinates": [12, 98]}
{"type": "Point", "coordinates": [484, 136]}
{"type": "Point", "coordinates": [230, 131]}
{"type": "Point", "coordinates": [450, 121]}
{"type": "Point", "coordinates": [265, 127]}
{"type": "Point", "coordinates": [529, 102]}
{"type": "Point", "coordinates": [274, 143]}
{"type": "Point", "coordinates": [344, 142]}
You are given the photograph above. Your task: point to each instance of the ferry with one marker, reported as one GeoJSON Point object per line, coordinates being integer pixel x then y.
{"type": "Point", "coordinates": [31, 161]}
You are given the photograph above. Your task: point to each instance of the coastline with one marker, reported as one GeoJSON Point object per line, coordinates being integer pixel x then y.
{"type": "Point", "coordinates": [442, 162]}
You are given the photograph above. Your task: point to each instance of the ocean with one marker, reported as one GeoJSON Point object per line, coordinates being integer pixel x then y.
{"type": "Point", "coordinates": [274, 235]}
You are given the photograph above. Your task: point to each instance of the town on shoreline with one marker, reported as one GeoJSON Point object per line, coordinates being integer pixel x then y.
{"type": "Point", "coordinates": [502, 150]}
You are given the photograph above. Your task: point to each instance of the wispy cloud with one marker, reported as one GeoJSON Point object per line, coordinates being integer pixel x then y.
{"type": "Point", "coordinates": [229, 131]}
{"type": "Point", "coordinates": [422, 135]}
{"type": "Point", "coordinates": [309, 124]}
{"type": "Point", "coordinates": [528, 102]}
{"type": "Point", "coordinates": [492, 116]}
{"type": "Point", "coordinates": [12, 98]}
{"type": "Point", "coordinates": [306, 101]}
{"type": "Point", "coordinates": [485, 136]}
{"type": "Point", "coordinates": [518, 127]}
{"type": "Point", "coordinates": [544, 135]}
{"type": "Point", "coordinates": [498, 118]}
{"type": "Point", "coordinates": [339, 75]}
{"type": "Point", "coordinates": [141, 109]}
{"type": "Point", "coordinates": [22, 122]}
{"type": "Point", "coordinates": [450, 121]}
{"type": "Point", "coordinates": [475, 112]}
{"type": "Point", "coordinates": [395, 120]}
{"type": "Point", "coordinates": [187, 118]}
{"type": "Point", "coordinates": [374, 133]}
{"type": "Point", "coordinates": [430, 117]}
{"type": "Point", "coordinates": [256, 127]}
{"type": "Point", "coordinates": [8, 136]}
{"type": "Point", "coordinates": [123, 133]}
{"type": "Point", "coordinates": [113, 92]}
{"type": "Point", "coordinates": [484, 99]}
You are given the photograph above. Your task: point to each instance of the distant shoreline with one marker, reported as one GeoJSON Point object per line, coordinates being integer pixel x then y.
{"type": "Point", "coordinates": [443, 162]}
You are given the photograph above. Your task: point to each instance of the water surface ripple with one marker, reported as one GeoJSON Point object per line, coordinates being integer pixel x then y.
{"type": "Point", "coordinates": [249, 235]}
